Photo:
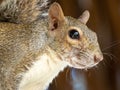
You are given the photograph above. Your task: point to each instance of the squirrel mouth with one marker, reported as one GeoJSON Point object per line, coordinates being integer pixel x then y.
{"type": "Point", "coordinates": [79, 59]}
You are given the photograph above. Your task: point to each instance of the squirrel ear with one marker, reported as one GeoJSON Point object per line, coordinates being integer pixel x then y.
{"type": "Point", "coordinates": [84, 17]}
{"type": "Point", "coordinates": [56, 15]}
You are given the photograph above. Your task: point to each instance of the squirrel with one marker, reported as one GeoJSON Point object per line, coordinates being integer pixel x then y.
{"type": "Point", "coordinates": [37, 42]}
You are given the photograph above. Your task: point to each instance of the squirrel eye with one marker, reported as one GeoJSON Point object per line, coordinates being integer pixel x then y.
{"type": "Point", "coordinates": [74, 34]}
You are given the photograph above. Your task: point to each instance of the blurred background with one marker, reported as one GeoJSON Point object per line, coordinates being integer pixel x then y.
{"type": "Point", "coordinates": [105, 21]}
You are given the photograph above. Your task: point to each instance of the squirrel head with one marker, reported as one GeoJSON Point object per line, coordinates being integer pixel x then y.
{"type": "Point", "coordinates": [72, 40]}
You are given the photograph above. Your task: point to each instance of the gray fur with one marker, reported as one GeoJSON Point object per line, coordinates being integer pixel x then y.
{"type": "Point", "coordinates": [17, 11]}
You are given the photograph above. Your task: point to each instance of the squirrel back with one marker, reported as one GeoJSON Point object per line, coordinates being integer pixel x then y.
{"type": "Point", "coordinates": [22, 11]}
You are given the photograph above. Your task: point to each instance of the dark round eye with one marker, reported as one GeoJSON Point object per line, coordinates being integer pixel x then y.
{"type": "Point", "coordinates": [74, 34]}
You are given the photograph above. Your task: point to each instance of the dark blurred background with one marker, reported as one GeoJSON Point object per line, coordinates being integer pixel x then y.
{"type": "Point", "coordinates": [105, 21]}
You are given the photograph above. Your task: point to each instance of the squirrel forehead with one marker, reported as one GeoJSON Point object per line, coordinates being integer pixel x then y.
{"type": "Point", "coordinates": [72, 22]}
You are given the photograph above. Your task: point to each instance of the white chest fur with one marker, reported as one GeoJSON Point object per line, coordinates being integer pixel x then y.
{"type": "Point", "coordinates": [41, 74]}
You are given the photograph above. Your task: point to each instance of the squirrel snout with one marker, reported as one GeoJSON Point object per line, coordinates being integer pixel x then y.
{"type": "Point", "coordinates": [98, 58]}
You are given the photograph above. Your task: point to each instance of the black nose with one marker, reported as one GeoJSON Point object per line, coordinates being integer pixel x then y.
{"type": "Point", "coordinates": [98, 57]}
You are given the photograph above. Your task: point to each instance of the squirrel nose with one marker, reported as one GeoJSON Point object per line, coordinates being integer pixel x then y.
{"type": "Point", "coordinates": [98, 58]}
